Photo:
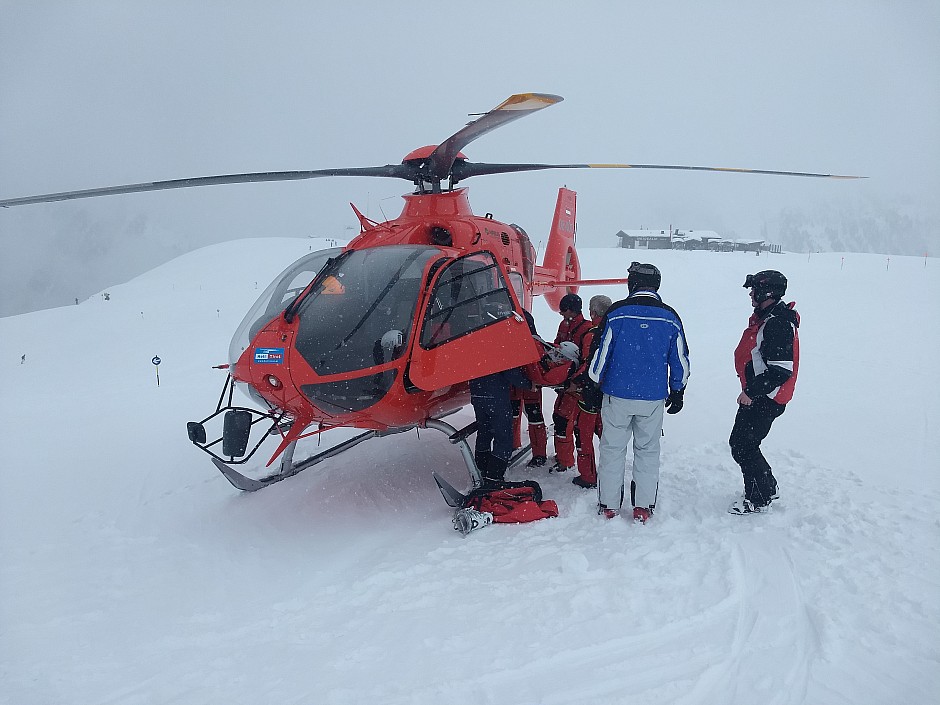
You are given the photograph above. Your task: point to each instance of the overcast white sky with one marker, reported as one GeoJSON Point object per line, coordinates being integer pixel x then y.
{"type": "Point", "coordinates": [100, 93]}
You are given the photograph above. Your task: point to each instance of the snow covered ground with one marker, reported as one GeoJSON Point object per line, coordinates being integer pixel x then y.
{"type": "Point", "coordinates": [132, 572]}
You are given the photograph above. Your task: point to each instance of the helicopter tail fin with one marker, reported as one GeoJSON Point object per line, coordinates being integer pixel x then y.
{"type": "Point", "coordinates": [560, 263]}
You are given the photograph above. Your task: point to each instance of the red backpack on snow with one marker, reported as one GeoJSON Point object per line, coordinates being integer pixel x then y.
{"type": "Point", "coordinates": [517, 504]}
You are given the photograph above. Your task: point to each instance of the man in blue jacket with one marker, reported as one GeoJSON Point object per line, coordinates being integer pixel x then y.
{"type": "Point", "coordinates": [642, 367]}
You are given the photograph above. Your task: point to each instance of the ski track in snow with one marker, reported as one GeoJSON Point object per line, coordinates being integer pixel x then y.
{"type": "Point", "coordinates": [133, 573]}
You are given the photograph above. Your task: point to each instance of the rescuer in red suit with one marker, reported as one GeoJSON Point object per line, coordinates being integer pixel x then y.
{"type": "Point", "coordinates": [587, 421]}
{"type": "Point", "coordinates": [572, 328]}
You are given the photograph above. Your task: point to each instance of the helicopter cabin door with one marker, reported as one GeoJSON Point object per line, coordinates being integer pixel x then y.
{"type": "Point", "coordinates": [471, 326]}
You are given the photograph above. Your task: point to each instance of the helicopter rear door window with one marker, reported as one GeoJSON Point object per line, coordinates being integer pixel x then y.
{"type": "Point", "coordinates": [470, 327]}
{"type": "Point", "coordinates": [470, 294]}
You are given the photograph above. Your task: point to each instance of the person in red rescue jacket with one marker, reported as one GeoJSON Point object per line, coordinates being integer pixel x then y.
{"type": "Point", "coordinates": [556, 368]}
{"type": "Point", "coordinates": [586, 421]}
{"type": "Point", "coordinates": [767, 361]}
{"type": "Point", "coordinates": [573, 327]}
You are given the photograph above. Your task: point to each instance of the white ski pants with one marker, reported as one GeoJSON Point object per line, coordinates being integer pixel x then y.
{"type": "Point", "coordinates": [623, 419]}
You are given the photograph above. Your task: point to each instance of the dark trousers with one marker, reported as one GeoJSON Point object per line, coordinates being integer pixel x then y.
{"type": "Point", "coordinates": [751, 426]}
{"type": "Point", "coordinates": [494, 436]}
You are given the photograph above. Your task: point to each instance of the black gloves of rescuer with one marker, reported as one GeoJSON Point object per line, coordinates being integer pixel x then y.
{"type": "Point", "coordinates": [674, 402]}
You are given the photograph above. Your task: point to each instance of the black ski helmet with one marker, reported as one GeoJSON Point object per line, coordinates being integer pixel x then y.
{"type": "Point", "coordinates": [643, 276]}
{"type": "Point", "coordinates": [768, 284]}
{"type": "Point", "coordinates": [570, 302]}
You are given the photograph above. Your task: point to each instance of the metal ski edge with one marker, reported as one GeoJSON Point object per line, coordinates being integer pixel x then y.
{"type": "Point", "coordinates": [452, 495]}
{"type": "Point", "coordinates": [455, 498]}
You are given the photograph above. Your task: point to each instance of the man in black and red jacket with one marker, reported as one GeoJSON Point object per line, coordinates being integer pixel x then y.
{"type": "Point", "coordinates": [767, 361]}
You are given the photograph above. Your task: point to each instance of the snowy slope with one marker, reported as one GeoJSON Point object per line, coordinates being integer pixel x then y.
{"type": "Point", "coordinates": [132, 572]}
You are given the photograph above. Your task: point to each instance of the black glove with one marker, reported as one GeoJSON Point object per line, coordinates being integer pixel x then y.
{"type": "Point", "coordinates": [674, 402]}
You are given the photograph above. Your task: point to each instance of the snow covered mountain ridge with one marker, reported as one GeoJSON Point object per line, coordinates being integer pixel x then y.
{"type": "Point", "coordinates": [132, 572]}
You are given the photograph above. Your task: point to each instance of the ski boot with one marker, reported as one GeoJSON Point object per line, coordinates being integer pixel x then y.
{"type": "Point", "coordinates": [746, 506]}
{"type": "Point", "coordinates": [468, 519]}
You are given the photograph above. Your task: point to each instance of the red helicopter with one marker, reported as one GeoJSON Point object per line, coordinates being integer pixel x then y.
{"type": "Point", "coordinates": [384, 334]}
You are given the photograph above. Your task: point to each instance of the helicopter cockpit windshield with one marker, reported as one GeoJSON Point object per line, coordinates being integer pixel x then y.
{"type": "Point", "coordinates": [362, 312]}
{"type": "Point", "coordinates": [277, 297]}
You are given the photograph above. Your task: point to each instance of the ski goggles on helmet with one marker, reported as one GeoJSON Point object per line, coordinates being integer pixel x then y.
{"type": "Point", "coordinates": [761, 279]}
{"type": "Point", "coordinates": [647, 269]}
{"type": "Point", "coordinates": [753, 280]}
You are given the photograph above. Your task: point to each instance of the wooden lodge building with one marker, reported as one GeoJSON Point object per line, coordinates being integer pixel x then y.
{"type": "Point", "coordinates": [675, 239]}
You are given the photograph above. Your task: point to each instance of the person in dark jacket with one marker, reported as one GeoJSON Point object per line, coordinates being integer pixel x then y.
{"type": "Point", "coordinates": [490, 397]}
{"type": "Point", "coordinates": [529, 401]}
{"type": "Point", "coordinates": [642, 367]}
{"type": "Point", "coordinates": [767, 361]}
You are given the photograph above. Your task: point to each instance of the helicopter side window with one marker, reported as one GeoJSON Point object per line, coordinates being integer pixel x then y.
{"type": "Point", "coordinates": [518, 285]}
{"type": "Point", "coordinates": [469, 295]}
{"type": "Point", "coordinates": [528, 253]}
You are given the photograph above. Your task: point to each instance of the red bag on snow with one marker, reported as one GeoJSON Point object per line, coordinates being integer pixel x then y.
{"type": "Point", "coordinates": [513, 505]}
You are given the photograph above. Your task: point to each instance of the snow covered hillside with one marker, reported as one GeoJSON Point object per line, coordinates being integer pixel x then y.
{"type": "Point", "coordinates": [132, 573]}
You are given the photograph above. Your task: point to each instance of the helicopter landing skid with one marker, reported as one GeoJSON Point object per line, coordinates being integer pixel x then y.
{"type": "Point", "coordinates": [288, 468]}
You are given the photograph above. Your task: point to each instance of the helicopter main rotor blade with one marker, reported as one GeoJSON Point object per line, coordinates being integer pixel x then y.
{"type": "Point", "coordinates": [513, 108]}
{"type": "Point", "coordinates": [464, 170]}
{"type": "Point", "coordinates": [401, 171]}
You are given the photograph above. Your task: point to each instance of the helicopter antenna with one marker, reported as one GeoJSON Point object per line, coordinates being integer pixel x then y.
{"type": "Point", "coordinates": [382, 208]}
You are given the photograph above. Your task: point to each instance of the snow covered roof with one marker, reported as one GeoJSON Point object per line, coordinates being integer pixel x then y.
{"type": "Point", "coordinates": [646, 234]}
{"type": "Point", "coordinates": [652, 234]}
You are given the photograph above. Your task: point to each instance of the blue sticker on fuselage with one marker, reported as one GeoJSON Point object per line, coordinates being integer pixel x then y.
{"type": "Point", "coordinates": [269, 356]}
